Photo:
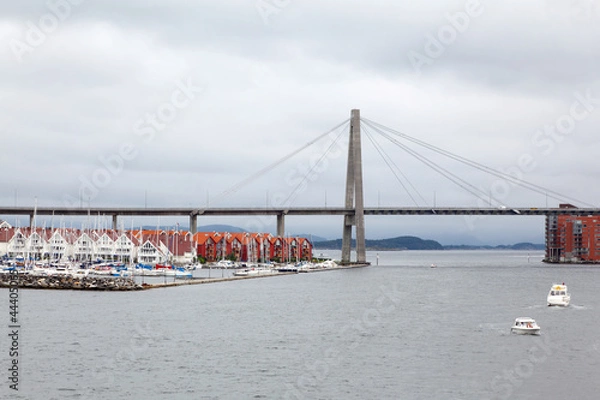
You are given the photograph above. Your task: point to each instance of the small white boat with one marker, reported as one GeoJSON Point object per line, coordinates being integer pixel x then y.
{"type": "Point", "coordinates": [182, 273]}
{"type": "Point", "coordinates": [322, 264]}
{"type": "Point", "coordinates": [558, 295]}
{"type": "Point", "coordinates": [60, 270]}
{"type": "Point", "coordinates": [81, 273]}
{"type": "Point", "coordinates": [226, 264]}
{"type": "Point", "coordinates": [255, 271]}
{"type": "Point", "coordinates": [525, 326]}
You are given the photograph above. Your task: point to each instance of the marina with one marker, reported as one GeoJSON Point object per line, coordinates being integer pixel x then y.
{"type": "Point", "coordinates": [143, 279]}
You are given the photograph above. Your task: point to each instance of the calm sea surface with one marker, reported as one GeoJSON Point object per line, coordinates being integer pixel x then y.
{"type": "Point", "coordinates": [396, 330]}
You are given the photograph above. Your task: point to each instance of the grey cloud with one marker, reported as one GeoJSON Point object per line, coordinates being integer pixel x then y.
{"type": "Point", "coordinates": [270, 88]}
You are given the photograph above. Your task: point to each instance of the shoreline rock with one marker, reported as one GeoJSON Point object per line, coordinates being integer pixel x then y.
{"type": "Point", "coordinates": [68, 282]}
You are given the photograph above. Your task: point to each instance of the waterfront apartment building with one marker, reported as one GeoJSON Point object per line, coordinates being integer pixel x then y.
{"type": "Point", "coordinates": [572, 238]}
{"type": "Point", "coordinates": [148, 246]}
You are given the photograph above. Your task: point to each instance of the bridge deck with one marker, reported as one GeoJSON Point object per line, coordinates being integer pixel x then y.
{"type": "Point", "coordinates": [178, 211]}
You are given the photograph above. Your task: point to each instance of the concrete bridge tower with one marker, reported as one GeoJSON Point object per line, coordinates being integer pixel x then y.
{"type": "Point", "coordinates": [354, 195]}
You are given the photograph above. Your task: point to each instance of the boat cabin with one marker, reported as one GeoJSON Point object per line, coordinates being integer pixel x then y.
{"type": "Point", "coordinates": [524, 323]}
{"type": "Point", "coordinates": [558, 290]}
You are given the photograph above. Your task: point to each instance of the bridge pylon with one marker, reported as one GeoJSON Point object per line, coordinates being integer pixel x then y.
{"type": "Point", "coordinates": [354, 195]}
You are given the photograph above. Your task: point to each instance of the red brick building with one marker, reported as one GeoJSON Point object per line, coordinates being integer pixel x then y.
{"type": "Point", "coordinates": [572, 238]}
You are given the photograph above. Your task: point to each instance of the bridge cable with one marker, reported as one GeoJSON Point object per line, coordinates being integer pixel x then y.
{"type": "Point", "coordinates": [481, 167]}
{"type": "Point", "coordinates": [294, 193]}
{"type": "Point", "coordinates": [441, 170]}
{"type": "Point", "coordinates": [262, 171]}
{"type": "Point", "coordinates": [388, 160]}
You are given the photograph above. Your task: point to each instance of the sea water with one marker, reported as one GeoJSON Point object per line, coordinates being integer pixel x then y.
{"type": "Point", "coordinates": [413, 325]}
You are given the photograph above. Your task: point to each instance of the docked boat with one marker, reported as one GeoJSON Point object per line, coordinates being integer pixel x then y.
{"type": "Point", "coordinates": [525, 326]}
{"type": "Point", "coordinates": [225, 264]}
{"type": "Point", "coordinates": [164, 270]}
{"type": "Point", "coordinates": [81, 273]}
{"type": "Point", "coordinates": [255, 271]}
{"type": "Point", "coordinates": [193, 266]}
{"type": "Point", "coordinates": [60, 270]}
{"type": "Point", "coordinates": [182, 273]}
{"type": "Point", "coordinates": [559, 295]}
{"type": "Point", "coordinates": [322, 264]}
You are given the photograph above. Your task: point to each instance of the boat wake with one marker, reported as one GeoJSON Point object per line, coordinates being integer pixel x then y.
{"type": "Point", "coordinates": [493, 327]}
{"type": "Point", "coordinates": [569, 307]}
{"type": "Point", "coordinates": [578, 307]}
{"type": "Point", "coordinates": [536, 306]}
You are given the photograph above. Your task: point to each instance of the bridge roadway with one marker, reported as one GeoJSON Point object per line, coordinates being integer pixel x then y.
{"type": "Point", "coordinates": [281, 212]}
{"type": "Point", "coordinates": [295, 211]}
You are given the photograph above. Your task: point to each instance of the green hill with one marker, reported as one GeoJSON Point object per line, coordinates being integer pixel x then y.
{"type": "Point", "coordinates": [517, 246]}
{"type": "Point", "coordinates": [397, 243]}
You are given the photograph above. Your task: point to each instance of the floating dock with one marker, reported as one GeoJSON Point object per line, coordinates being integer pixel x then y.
{"type": "Point", "coordinates": [69, 282]}
{"type": "Point", "coordinates": [200, 281]}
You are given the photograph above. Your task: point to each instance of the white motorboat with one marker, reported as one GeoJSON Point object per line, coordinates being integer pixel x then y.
{"type": "Point", "coordinates": [225, 264]}
{"type": "Point", "coordinates": [193, 267]}
{"type": "Point", "coordinates": [525, 326]}
{"type": "Point", "coordinates": [182, 273]}
{"type": "Point", "coordinates": [60, 270]}
{"type": "Point", "coordinates": [255, 271]}
{"type": "Point", "coordinates": [558, 295]}
{"type": "Point", "coordinates": [81, 273]}
{"type": "Point", "coordinates": [164, 272]}
{"type": "Point", "coordinates": [325, 264]}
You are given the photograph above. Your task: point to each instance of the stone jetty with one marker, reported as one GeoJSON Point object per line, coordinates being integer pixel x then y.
{"type": "Point", "coordinates": [69, 282]}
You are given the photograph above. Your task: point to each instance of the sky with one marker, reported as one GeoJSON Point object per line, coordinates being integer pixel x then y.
{"type": "Point", "coordinates": [135, 103]}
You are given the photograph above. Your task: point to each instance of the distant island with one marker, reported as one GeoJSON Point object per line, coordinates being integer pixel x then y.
{"type": "Point", "coordinates": [415, 243]}
{"type": "Point", "coordinates": [517, 246]}
{"type": "Point", "coordinates": [392, 244]}
{"type": "Point", "coordinates": [398, 243]}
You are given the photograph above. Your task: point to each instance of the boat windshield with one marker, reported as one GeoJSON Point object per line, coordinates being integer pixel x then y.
{"type": "Point", "coordinates": [526, 324]}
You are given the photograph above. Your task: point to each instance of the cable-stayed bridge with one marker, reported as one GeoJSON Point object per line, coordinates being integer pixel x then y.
{"type": "Point", "coordinates": [354, 210]}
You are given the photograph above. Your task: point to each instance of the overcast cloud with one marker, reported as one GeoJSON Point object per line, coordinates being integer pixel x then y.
{"type": "Point", "coordinates": [171, 103]}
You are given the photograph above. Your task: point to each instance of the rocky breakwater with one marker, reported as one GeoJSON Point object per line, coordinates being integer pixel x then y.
{"type": "Point", "coordinates": [68, 282]}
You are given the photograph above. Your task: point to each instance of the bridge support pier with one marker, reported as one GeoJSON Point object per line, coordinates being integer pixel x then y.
{"type": "Point", "coordinates": [115, 225]}
{"type": "Point", "coordinates": [193, 224]}
{"type": "Point", "coordinates": [354, 195]}
{"type": "Point", "coordinates": [281, 225]}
